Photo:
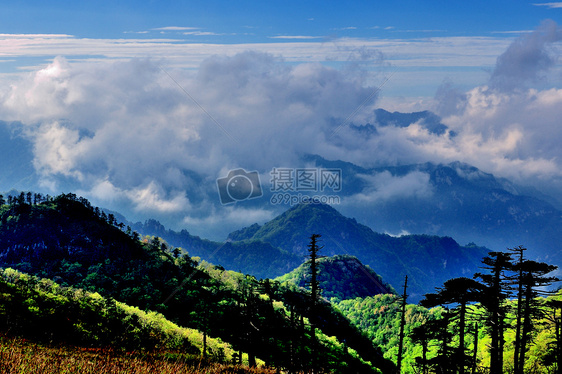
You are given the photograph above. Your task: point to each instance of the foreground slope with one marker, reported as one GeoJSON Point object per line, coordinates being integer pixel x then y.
{"type": "Point", "coordinates": [43, 311]}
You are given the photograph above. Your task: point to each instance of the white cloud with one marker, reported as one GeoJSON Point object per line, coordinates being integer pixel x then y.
{"type": "Point", "coordinates": [55, 150]}
{"type": "Point", "coordinates": [527, 58]}
{"type": "Point", "coordinates": [511, 135]}
{"type": "Point", "coordinates": [175, 28]}
{"type": "Point", "coordinates": [125, 132]}
{"type": "Point", "coordinates": [549, 5]}
{"type": "Point", "coordinates": [384, 186]}
{"type": "Point", "coordinates": [231, 217]}
{"type": "Point", "coordinates": [295, 37]}
{"type": "Point", "coordinates": [200, 33]}
{"type": "Point", "coordinates": [153, 198]}
{"type": "Point", "coordinates": [449, 51]}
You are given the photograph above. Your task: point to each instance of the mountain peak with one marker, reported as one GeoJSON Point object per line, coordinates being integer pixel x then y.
{"type": "Point", "coordinates": [427, 260]}
{"type": "Point", "coordinates": [342, 276]}
{"type": "Point", "coordinates": [304, 208]}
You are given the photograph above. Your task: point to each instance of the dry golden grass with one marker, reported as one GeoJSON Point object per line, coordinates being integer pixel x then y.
{"type": "Point", "coordinates": [19, 356]}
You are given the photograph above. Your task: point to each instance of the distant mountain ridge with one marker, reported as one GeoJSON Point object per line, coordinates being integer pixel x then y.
{"type": "Point", "coordinates": [427, 260]}
{"type": "Point", "coordinates": [279, 246]}
{"type": "Point", "coordinates": [455, 199]}
{"type": "Point", "coordinates": [255, 257]}
{"type": "Point", "coordinates": [459, 201]}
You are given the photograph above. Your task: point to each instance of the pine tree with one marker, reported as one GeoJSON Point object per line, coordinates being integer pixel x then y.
{"type": "Point", "coordinates": [402, 324]}
{"type": "Point", "coordinates": [519, 281]}
{"type": "Point", "coordinates": [460, 292]}
{"type": "Point", "coordinates": [533, 277]}
{"type": "Point", "coordinates": [493, 300]}
{"type": "Point", "coordinates": [313, 249]}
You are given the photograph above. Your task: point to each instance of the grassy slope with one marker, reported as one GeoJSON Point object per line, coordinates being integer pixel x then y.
{"type": "Point", "coordinates": [21, 356]}
{"type": "Point", "coordinates": [40, 309]}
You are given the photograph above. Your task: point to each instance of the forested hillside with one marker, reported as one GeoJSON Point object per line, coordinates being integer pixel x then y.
{"type": "Point", "coordinates": [72, 243]}
{"type": "Point", "coordinates": [255, 257]}
{"type": "Point", "coordinates": [502, 320]}
{"type": "Point", "coordinates": [341, 277]}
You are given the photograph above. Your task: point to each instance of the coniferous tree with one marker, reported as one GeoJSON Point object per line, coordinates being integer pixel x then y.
{"type": "Point", "coordinates": [475, 349]}
{"type": "Point", "coordinates": [459, 292]}
{"type": "Point", "coordinates": [422, 334]}
{"type": "Point", "coordinates": [443, 363]}
{"type": "Point", "coordinates": [519, 282]}
{"type": "Point", "coordinates": [533, 277]}
{"type": "Point", "coordinates": [313, 249]}
{"type": "Point", "coordinates": [402, 325]}
{"type": "Point", "coordinates": [555, 318]}
{"type": "Point", "coordinates": [493, 300]}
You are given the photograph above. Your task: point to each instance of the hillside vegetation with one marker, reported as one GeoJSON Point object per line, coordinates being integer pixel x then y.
{"type": "Point", "coordinates": [501, 321]}
{"type": "Point", "coordinates": [42, 310]}
{"type": "Point", "coordinates": [66, 240]}
{"type": "Point", "coordinates": [23, 356]}
{"type": "Point", "coordinates": [341, 277]}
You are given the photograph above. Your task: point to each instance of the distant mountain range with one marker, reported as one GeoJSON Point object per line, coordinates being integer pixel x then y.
{"type": "Point", "coordinates": [279, 246]}
{"type": "Point", "coordinates": [459, 201]}
{"type": "Point", "coordinates": [454, 200]}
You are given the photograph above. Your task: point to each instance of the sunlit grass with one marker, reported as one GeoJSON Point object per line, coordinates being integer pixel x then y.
{"type": "Point", "coordinates": [20, 356]}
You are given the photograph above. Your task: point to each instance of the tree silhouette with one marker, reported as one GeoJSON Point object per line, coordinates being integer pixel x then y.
{"type": "Point", "coordinates": [517, 344]}
{"type": "Point", "coordinates": [555, 355]}
{"type": "Point", "coordinates": [460, 292]}
{"type": "Point", "coordinates": [533, 277]}
{"type": "Point", "coordinates": [493, 300]}
{"type": "Point", "coordinates": [422, 334]}
{"type": "Point", "coordinates": [313, 249]}
{"type": "Point", "coordinates": [402, 324]}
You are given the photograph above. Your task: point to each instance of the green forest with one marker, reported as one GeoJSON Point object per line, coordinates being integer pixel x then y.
{"type": "Point", "coordinates": [70, 248]}
{"type": "Point", "coordinates": [503, 320]}
{"type": "Point", "coordinates": [77, 284]}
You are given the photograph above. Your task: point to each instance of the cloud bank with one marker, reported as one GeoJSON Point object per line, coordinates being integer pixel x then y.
{"type": "Point", "coordinates": [137, 133]}
{"type": "Point", "coordinates": [147, 138]}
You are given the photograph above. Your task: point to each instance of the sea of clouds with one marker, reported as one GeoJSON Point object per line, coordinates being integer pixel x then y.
{"type": "Point", "coordinates": [150, 140]}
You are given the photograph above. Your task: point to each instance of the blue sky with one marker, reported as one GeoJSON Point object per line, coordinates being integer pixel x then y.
{"type": "Point", "coordinates": [255, 21]}
{"type": "Point", "coordinates": [106, 29]}
{"type": "Point", "coordinates": [125, 102]}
